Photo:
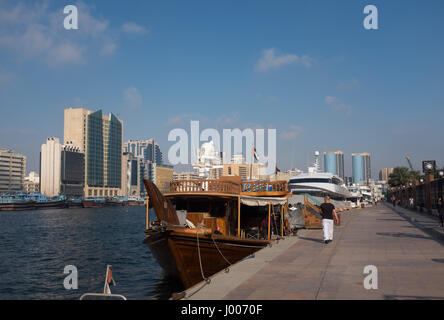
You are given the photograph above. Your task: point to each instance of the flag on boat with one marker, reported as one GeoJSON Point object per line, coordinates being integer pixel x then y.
{"type": "Point", "coordinates": [277, 170]}
{"type": "Point", "coordinates": [255, 154]}
{"type": "Point", "coordinates": [109, 281]}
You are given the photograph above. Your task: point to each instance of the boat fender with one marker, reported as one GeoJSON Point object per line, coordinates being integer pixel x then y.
{"type": "Point", "coordinates": [190, 224]}
{"type": "Point", "coordinates": [208, 280]}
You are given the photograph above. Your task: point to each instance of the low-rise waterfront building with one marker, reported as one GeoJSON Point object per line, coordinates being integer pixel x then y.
{"type": "Point", "coordinates": [32, 183]}
{"type": "Point", "coordinates": [61, 169]}
{"type": "Point", "coordinates": [12, 171]}
{"type": "Point", "coordinates": [161, 175]}
{"type": "Point", "coordinates": [287, 175]}
{"type": "Point", "coordinates": [185, 176]}
{"type": "Point", "coordinates": [239, 167]}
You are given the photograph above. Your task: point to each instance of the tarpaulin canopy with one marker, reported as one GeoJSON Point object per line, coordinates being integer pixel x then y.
{"type": "Point", "coordinates": [261, 201]}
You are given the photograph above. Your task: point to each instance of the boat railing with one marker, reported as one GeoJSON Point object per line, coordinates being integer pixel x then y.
{"type": "Point", "coordinates": [208, 186]}
{"type": "Point", "coordinates": [264, 186]}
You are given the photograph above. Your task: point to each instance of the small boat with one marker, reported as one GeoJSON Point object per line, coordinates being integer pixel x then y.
{"type": "Point", "coordinates": [97, 202]}
{"type": "Point", "coordinates": [205, 226]}
{"type": "Point", "coordinates": [42, 202]}
{"type": "Point", "coordinates": [133, 201]}
{"type": "Point", "coordinates": [16, 202]}
{"type": "Point", "coordinates": [113, 202]}
{"type": "Point", "coordinates": [74, 203]}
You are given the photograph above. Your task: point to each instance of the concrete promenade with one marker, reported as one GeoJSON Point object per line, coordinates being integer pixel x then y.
{"type": "Point", "coordinates": [405, 247]}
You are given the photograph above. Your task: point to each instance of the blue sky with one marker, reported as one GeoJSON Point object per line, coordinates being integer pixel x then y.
{"type": "Point", "coordinates": [307, 68]}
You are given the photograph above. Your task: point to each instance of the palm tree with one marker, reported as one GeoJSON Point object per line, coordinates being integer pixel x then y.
{"type": "Point", "coordinates": [401, 176]}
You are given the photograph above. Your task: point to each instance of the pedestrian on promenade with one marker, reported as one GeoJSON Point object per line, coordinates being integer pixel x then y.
{"type": "Point", "coordinates": [411, 202]}
{"type": "Point", "coordinates": [394, 201]}
{"type": "Point", "coordinates": [328, 213]}
{"type": "Point", "coordinates": [440, 212]}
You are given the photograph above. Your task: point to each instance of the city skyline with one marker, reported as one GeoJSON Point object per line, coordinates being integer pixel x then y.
{"type": "Point", "coordinates": [308, 69]}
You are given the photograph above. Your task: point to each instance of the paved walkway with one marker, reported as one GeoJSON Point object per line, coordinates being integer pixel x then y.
{"type": "Point", "coordinates": [409, 260]}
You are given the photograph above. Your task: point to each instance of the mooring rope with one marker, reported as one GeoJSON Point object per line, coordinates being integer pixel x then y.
{"type": "Point", "coordinates": [226, 269]}
{"type": "Point", "coordinates": [207, 280]}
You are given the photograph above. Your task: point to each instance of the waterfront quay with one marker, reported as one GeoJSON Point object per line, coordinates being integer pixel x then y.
{"type": "Point", "coordinates": [406, 247]}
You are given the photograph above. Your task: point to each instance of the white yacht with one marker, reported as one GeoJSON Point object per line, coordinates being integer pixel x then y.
{"type": "Point", "coordinates": [317, 183]}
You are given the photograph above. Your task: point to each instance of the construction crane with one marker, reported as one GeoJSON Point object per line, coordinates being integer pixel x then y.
{"type": "Point", "coordinates": [410, 163]}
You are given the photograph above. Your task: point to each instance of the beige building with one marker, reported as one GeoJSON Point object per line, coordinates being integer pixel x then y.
{"type": "Point", "coordinates": [185, 176]}
{"type": "Point", "coordinates": [287, 175]}
{"type": "Point", "coordinates": [385, 173]}
{"type": "Point", "coordinates": [255, 171]}
{"type": "Point", "coordinates": [162, 176]}
{"type": "Point", "coordinates": [100, 138]}
{"type": "Point", "coordinates": [12, 171]}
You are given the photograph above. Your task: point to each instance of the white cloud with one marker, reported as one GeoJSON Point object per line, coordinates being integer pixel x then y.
{"type": "Point", "coordinates": [108, 49]}
{"type": "Point", "coordinates": [338, 105]}
{"type": "Point", "coordinates": [291, 133]}
{"type": "Point", "coordinates": [133, 98]}
{"type": "Point", "coordinates": [131, 27]}
{"type": "Point", "coordinates": [35, 32]}
{"type": "Point", "coordinates": [66, 53]}
{"type": "Point", "coordinates": [269, 60]}
{"type": "Point", "coordinates": [330, 99]}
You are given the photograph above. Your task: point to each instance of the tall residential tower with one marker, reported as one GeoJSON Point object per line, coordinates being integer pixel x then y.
{"type": "Point", "coordinates": [361, 167]}
{"type": "Point", "coordinates": [334, 163]}
{"type": "Point", "coordinates": [100, 138]}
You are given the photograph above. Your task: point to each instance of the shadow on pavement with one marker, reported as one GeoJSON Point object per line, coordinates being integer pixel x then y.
{"type": "Point", "coordinates": [403, 235]}
{"type": "Point", "coordinates": [395, 297]}
{"type": "Point", "coordinates": [312, 239]}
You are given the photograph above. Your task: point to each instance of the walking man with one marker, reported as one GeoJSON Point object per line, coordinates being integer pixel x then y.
{"type": "Point", "coordinates": [328, 213]}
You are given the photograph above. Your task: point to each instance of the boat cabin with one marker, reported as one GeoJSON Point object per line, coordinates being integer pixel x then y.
{"type": "Point", "coordinates": [231, 207]}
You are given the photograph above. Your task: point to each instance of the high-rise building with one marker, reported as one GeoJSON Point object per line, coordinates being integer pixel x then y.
{"type": "Point", "coordinates": [384, 174]}
{"type": "Point", "coordinates": [61, 169]}
{"type": "Point", "coordinates": [72, 175]}
{"type": "Point", "coordinates": [361, 167]}
{"type": "Point", "coordinates": [145, 149]}
{"type": "Point", "coordinates": [50, 167]}
{"type": "Point", "coordinates": [100, 138]}
{"type": "Point", "coordinates": [12, 171]}
{"type": "Point", "coordinates": [334, 163]}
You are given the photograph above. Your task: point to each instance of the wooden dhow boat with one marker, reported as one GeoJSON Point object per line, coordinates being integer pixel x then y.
{"type": "Point", "coordinates": [204, 226]}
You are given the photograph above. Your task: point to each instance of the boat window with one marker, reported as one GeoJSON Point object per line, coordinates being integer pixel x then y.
{"type": "Point", "coordinates": [311, 180]}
